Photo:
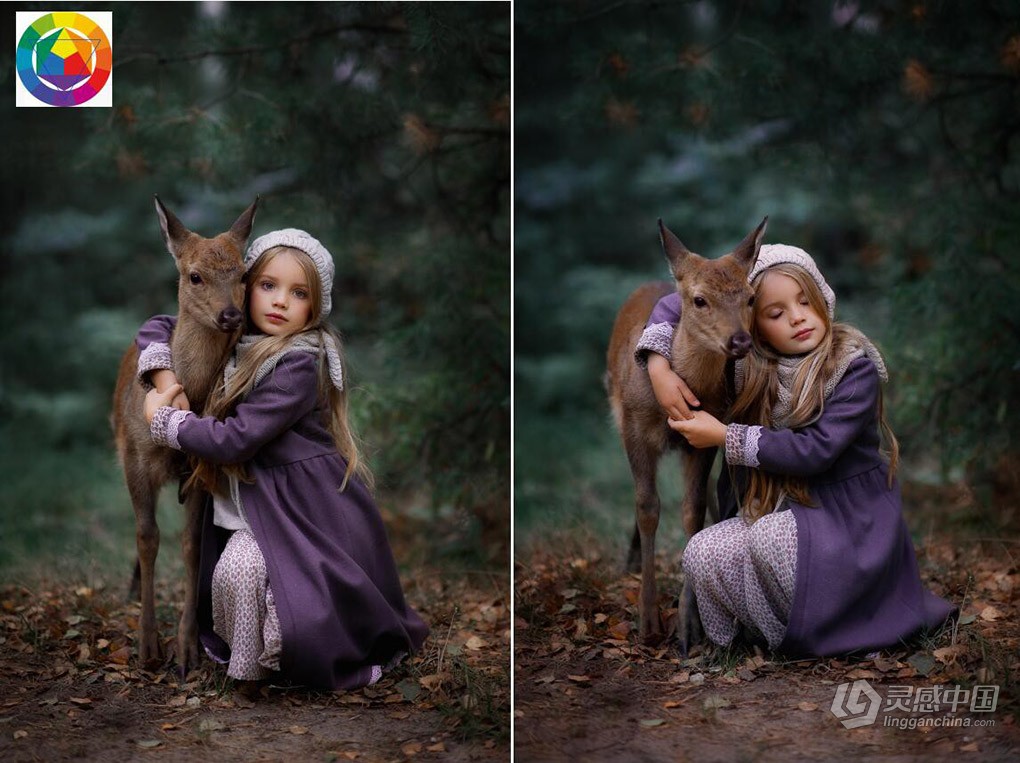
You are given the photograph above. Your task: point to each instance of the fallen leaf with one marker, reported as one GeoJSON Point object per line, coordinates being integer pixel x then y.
{"type": "Point", "coordinates": [988, 613]}
{"type": "Point", "coordinates": [149, 743]}
{"type": "Point", "coordinates": [652, 722]}
{"type": "Point", "coordinates": [409, 688]}
{"type": "Point", "coordinates": [474, 644]}
{"type": "Point", "coordinates": [884, 665]}
{"type": "Point", "coordinates": [950, 654]}
{"type": "Point", "coordinates": [671, 704]}
{"type": "Point", "coordinates": [600, 618]}
{"type": "Point", "coordinates": [967, 619]}
{"type": "Point", "coordinates": [121, 656]}
{"type": "Point", "coordinates": [177, 701]}
{"type": "Point", "coordinates": [807, 707]}
{"type": "Point", "coordinates": [80, 700]}
{"type": "Point", "coordinates": [438, 747]}
{"type": "Point", "coordinates": [20, 734]}
{"type": "Point", "coordinates": [211, 724]}
{"type": "Point", "coordinates": [620, 630]}
{"type": "Point", "coordinates": [411, 748]}
{"type": "Point", "coordinates": [579, 679]}
{"type": "Point", "coordinates": [922, 663]}
{"type": "Point", "coordinates": [432, 682]}
{"type": "Point", "coordinates": [972, 747]}
{"type": "Point", "coordinates": [298, 729]}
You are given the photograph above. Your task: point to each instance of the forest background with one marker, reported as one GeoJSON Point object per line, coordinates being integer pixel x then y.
{"type": "Point", "coordinates": [882, 137]}
{"type": "Point", "coordinates": [384, 130]}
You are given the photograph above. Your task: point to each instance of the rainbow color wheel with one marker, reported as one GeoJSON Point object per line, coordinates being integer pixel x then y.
{"type": "Point", "coordinates": [64, 59]}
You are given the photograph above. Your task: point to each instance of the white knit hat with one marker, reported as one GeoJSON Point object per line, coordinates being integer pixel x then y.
{"type": "Point", "coordinates": [775, 254]}
{"type": "Point", "coordinates": [305, 242]}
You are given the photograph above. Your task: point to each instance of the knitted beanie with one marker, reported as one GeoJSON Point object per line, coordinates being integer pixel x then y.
{"type": "Point", "coordinates": [305, 242]}
{"type": "Point", "coordinates": [775, 254]}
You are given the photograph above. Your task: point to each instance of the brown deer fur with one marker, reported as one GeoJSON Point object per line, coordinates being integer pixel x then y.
{"type": "Point", "coordinates": [210, 302]}
{"type": "Point", "coordinates": [713, 331]}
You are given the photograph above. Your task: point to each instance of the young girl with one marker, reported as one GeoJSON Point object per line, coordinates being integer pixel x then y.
{"type": "Point", "coordinates": [297, 576]}
{"type": "Point", "coordinates": [819, 560]}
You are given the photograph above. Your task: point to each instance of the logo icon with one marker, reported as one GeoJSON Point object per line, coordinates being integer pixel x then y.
{"type": "Point", "coordinates": [64, 59]}
{"type": "Point", "coordinates": [856, 704]}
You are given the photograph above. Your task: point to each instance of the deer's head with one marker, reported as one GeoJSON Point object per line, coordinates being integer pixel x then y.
{"type": "Point", "coordinates": [211, 285]}
{"type": "Point", "coordinates": [715, 296]}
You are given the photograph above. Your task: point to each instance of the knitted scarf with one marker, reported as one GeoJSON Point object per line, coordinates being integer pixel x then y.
{"type": "Point", "coordinates": [305, 342]}
{"type": "Point", "coordinates": [857, 346]}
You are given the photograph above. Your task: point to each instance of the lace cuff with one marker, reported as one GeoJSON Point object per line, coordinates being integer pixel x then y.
{"type": "Point", "coordinates": [655, 338]}
{"type": "Point", "coordinates": [742, 444]}
{"type": "Point", "coordinates": [165, 425]}
{"type": "Point", "coordinates": [155, 357]}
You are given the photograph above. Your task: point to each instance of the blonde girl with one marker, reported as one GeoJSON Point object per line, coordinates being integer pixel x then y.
{"type": "Point", "coordinates": [812, 555]}
{"type": "Point", "coordinates": [298, 582]}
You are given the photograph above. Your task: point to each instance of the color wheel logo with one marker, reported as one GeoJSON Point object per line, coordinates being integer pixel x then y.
{"type": "Point", "coordinates": [64, 59]}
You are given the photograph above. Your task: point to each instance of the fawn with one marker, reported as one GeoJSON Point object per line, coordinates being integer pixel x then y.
{"type": "Point", "coordinates": [713, 331]}
{"type": "Point", "coordinates": [210, 299]}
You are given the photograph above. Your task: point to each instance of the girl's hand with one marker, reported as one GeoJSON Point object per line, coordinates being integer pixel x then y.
{"type": "Point", "coordinates": [156, 400]}
{"type": "Point", "coordinates": [702, 431]}
{"type": "Point", "coordinates": [674, 396]}
{"type": "Point", "coordinates": [163, 379]}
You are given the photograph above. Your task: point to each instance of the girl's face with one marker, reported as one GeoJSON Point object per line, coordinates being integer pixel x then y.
{"type": "Point", "coordinates": [280, 302]}
{"type": "Point", "coordinates": [784, 316]}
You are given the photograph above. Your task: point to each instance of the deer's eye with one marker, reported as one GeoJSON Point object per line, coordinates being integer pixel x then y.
{"type": "Point", "coordinates": [700, 302]}
{"type": "Point", "coordinates": [195, 278]}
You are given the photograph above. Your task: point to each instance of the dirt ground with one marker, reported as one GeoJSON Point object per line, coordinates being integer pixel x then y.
{"type": "Point", "coordinates": [70, 688]}
{"type": "Point", "coordinates": [586, 690]}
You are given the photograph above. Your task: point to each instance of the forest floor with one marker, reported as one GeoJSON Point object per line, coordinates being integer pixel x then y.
{"type": "Point", "coordinates": [71, 688]}
{"type": "Point", "coordinates": [586, 689]}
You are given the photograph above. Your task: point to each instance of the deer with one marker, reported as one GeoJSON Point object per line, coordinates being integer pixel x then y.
{"type": "Point", "coordinates": [210, 296]}
{"type": "Point", "coordinates": [713, 332]}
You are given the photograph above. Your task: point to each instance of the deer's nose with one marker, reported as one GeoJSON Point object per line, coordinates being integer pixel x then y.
{"type": "Point", "coordinates": [230, 319]}
{"type": "Point", "coordinates": [739, 344]}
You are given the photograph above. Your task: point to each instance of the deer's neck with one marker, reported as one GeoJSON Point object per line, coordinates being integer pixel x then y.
{"type": "Point", "coordinates": [199, 354]}
{"type": "Point", "coordinates": [702, 368]}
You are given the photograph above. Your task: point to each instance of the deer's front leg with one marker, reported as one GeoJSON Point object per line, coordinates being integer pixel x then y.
{"type": "Point", "coordinates": [191, 546]}
{"type": "Point", "coordinates": [697, 466]}
{"type": "Point", "coordinates": [143, 500]}
{"type": "Point", "coordinates": [643, 462]}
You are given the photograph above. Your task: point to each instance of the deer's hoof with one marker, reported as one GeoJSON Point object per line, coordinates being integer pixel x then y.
{"type": "Point", "coordinates": [689, 629]}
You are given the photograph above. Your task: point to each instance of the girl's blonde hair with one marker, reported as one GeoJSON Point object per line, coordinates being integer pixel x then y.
{"type": "Point", "coordinates": [757, 398]}
{"type": "Point", "coordinates": [224, 397]}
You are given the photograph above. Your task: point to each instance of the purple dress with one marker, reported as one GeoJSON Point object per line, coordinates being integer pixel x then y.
{"type": "Point", "coordinates": [332, 572]}
{"type": "Point", "coordinates": [857, 582]}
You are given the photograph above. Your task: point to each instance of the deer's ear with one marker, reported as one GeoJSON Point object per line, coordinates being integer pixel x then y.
{"type": "Point", "coordinates": [676, 253]}
{"type": "Point", "coordinates": [173, 230]}
{"type": "Point", "coordinates": [241, 228]}
{"type": "Point", "coordinates": [747, 250]}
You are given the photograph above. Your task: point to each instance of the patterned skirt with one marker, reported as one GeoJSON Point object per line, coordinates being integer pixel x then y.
{"type": "Point", "coordinates": [744, 574]}
{"type": "Point", "coordinates": [244, 614]}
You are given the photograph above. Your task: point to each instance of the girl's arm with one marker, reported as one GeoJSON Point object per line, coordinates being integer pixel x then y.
{"type": "Point", "coordinates": [271, 408]}
{"type": "Point", "coordinates": [653, 353]}
{"type": "Point", "coordinates": [155, 361]}
{"type": "Point", "coordinates": [812, 449]}
{"type": "Point", "coordinates": [658, 334]}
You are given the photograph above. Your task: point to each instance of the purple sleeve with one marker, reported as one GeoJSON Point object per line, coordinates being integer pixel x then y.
{"type": "Point", "coordinates": [812, 449]}
{"type": "Point", "coordinates": [153, 342]}
{"type": "Point", "coordinates": [157, 329]}
{"type": "Point", "coordinates": [275, 405]}
{"type": "Point", "coordinates": [666, 310]}
{"type": "Point", "coordinates": [658, 334]}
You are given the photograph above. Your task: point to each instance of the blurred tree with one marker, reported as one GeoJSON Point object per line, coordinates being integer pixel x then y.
{"type": "Point", "coordinates": [382, 128]}
{"type": "Point", "coordinates": [884, 137]}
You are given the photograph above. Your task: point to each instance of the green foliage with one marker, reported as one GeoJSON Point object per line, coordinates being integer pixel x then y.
{"type": "Point", "coordinates": [882, 138]}
{"type": "Point", "coordinates": [382, 128]}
